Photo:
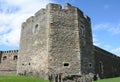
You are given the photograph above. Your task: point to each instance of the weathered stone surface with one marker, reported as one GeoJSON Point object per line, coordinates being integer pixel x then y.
{"type": "Point", "coordinates": [56, 43]}
{"type": "Point", "coordinates": [8, 62]}
{"type": "Point", "coordinates": [107, 65]}
{"type": "Point", "coordinates": [33, 53]}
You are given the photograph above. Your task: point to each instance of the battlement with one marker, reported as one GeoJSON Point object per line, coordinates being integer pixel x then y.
{"type": "Point", "coordinates": [30, 19]}
{"type": "Point", "coordinates": [41, 11]}
{"type": "Point", "coordinates": [58, 7]}
{"type": "Point", "coordinates": [9, 51]}
{"type": "Point", "coordinates": [51, 7]}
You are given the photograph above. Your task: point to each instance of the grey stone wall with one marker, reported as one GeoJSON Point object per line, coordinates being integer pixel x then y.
{"type": "Point", "coordinates": [8, 64]}
{"type": "Point", "coordinates": [56, 43]}
{"type": "Point", "coordinates": [64, 51]}
{"type": "Point", "coordinates": [106, 64]}
{"type": "Point", "coordinates": [86, 43]}
{"type": "Point", "coordinates": [33, 53]}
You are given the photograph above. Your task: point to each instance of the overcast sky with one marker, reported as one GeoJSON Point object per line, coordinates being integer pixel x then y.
{"type": "Point", "coordinates": [104, 14]}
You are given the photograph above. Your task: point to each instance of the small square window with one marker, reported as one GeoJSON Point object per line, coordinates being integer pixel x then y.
{"type": "Point", "coordinates": [15, 57]}
{"type": "Point", "coordinates": [29, 63]}
{"type": "Point", "coordinates": [66, 64]}
{"type": "Point", "coordinates": [36, 29]}
{"type": "Point", "coordinates": [82, 31]}
{"type": "Point", "coordinates": [90, 65]}
{"type": "Point", "coordinates": [5, 57]}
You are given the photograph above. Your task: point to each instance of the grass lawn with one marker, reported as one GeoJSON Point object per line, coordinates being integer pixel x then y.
{"type": "Point", "coordinates": [20, 79]}
{"type": "Point", "coordinates": [110, 80]}
{"type": "Point", "coordinates": [31, 79]}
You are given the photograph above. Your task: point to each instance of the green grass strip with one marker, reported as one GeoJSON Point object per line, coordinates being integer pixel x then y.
{"type": "Point", "coordinates": [20, 79]}
{"type": "Point", "coordinates": [110, 80]}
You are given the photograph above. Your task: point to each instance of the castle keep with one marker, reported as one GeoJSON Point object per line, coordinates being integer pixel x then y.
{"type": "Point", "coordinates": [56, 44]}
{"type": "Point", "coordinates": [56, 41]}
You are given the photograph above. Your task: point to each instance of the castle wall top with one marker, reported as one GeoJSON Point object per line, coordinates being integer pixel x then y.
{"type": "Point", "coordinates": [51, 6]}
{"type": "Point", "coordinates": [9, 51]}
{"type": "Point", "coordinates": [106, 52]}
{"type": "Point", "coordinates": [56, 7]}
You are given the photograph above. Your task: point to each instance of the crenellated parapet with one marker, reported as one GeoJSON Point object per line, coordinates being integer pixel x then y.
{"type": "Point", "coordinates": [9, 51]}
{"type": "Point", "coordinates": [9, 55]}
{"type": "Point", "coordinates": [54, 8]}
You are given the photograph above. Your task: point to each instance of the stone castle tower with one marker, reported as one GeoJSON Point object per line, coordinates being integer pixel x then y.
{"type": "Point", "coordinates": [56, 44]}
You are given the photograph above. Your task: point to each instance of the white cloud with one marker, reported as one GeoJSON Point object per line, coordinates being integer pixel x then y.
{"type": "Point", "coordinates": [106, 6]}
{"type": "Point", "coordinates": [11, 38]}
{"type": "Point", "coordinates": [95, 40]}
{"type": "Point", "coordinates": [108, 27]}
{"type": "Point", "coordinates": [12, 14]}
{"type": "Point", "coordinates": [116, 51]}
{"type": "Point", "coordinates": [101, 26]}
{"type": "Point", "coordinates": [115, 29]}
